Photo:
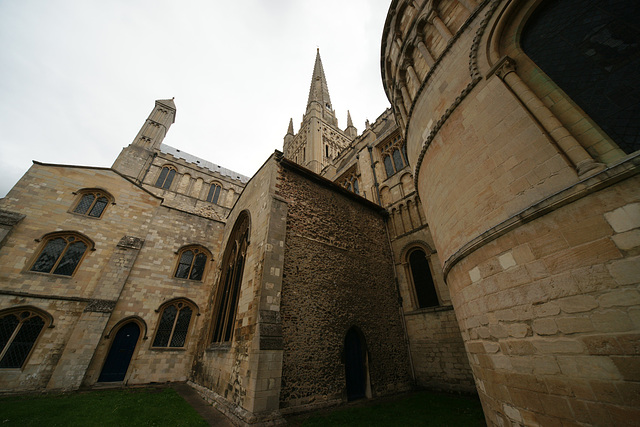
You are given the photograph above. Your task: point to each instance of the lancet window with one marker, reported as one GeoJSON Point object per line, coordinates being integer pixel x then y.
{"type": "Point", "coordinates": [424, 287]}
{"type": "Point", "coordinates": [214, 193]}
{"type": "Point", "coordinates": [226, 302]}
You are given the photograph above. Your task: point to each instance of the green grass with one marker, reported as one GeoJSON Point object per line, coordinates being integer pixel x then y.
{"type": "Point", "coordinates": [135, 407]}
{"type": "Point", "coordinates": [416, 409]}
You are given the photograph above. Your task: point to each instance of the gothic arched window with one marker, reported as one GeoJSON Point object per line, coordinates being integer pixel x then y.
{"type": "Point", "coordinates": [166, 177]}
{"type": "Point", "coordinates": [214, 193]}
{"type": "Point", "coordinates": [173, 324]}
{"type": "Point", "coordinates": [19, 330]}
{"type": "Point", "coordinates": [590, 49]}
{"type": "Point", "coordinates": [92, 203]}
{"type": "Point", "coordinates": [61, 254]}
{"type": "Point", "coordinates": [226, 302]}
{"type": "Point", "coordinates": [425, 290]}
{"type": "Point", "coordinates": [394, 156]}
{"type": "Point", "coordinates": [192, 262]}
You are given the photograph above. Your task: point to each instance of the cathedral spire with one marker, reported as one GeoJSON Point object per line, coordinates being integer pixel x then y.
{"type": "Point", "coordinates": [319, 91]}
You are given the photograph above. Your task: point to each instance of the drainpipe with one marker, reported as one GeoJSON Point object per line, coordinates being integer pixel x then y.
{"type": "Point", "coordinates": [375, 178]}
{"type": "Point", "coordinates": [148, 167]}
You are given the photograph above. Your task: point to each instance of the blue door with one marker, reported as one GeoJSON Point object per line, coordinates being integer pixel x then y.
{"type": "Point", "coordinates": [117, 363]}
{"type": "Point", "coordinates": [355, 369]}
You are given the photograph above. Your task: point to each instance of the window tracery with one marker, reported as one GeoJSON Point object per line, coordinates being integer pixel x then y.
{"type": "Point", "coordinates": [192, 262]}
{"type": "Point", "coordinates": [350, 182]}
{"type": "Point", "coordinates": [394, 156]}
{"type": "Point", "coordinates": [173, 325]}
{"type": "Point", "coordinates": [92, 203]}
{"type": "Point", "coordinates": [61, 254]}
{"type": "Point", "coordinates": [233, 261]}
{"type": "Point", "coordinates": [19, 331]}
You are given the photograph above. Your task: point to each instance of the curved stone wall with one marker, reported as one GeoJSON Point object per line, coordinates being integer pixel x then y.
{"type": "Point", "coordinates": [534, 212]}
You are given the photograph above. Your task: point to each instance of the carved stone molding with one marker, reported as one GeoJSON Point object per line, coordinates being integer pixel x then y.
{"type": "Point", "coordinates": [10, 218]}
{"type": "Point", "coordinates": [100, 306]}
{"type": "Point", "coordinates": [505, 66]}
{"type": "Point", "coordinates": [131, 242]}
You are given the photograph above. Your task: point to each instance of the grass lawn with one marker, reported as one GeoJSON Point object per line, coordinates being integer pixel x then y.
{"type": "Point", "coordinates": [417, 409]}
{"type": "Point", "coordinates": [132, 407]}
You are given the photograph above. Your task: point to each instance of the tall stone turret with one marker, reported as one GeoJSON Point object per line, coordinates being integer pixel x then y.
{"type": "Point", "coordinates": [134, 158]}
{"type": "Point", "coordinates": [157, 125]}
{"type": "Point", "coordinates": [320, 139]}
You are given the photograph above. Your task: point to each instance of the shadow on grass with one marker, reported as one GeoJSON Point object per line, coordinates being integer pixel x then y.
{"type": "Point", "coordinates": [130, 407]}
{"type": "Point", "coordinates": [422, 408]}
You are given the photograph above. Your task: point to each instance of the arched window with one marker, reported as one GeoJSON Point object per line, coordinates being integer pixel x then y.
{"type": "Point", "coordinates": [19, 330]}
{"type": "Point", "coordinates": [350, 181]}
{"type": "Point", "coordinates": [226, 302]}
{"type": "Point", "coordinates": [394, 155]}
{"type": "Point", "coordinates": [397, 160]}
{"type": "Point", "coordinates": [191, 263]}
{"type": "Point", "coordinates": [590, 49]}
{"type": "Point", "coordinates": [166, 177]}
{"type": "Point", "coordinates": [173, 326]}
{"type": "Point", "coordinates": [92, 203]}
{"type": "Point", "coordinates": [425, 290]}
{"type": "Point", "coordinates": [214, 193]}
{"type": "Point", "coordinates": [388, 166]}
{"type": "Point", "coordinates": [61, 254]}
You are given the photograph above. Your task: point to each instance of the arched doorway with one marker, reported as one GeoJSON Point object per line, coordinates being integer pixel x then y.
{"type": "Point", "coordinates": [355, 367]}
{"type": "Point", "coordinates": [117, 363]}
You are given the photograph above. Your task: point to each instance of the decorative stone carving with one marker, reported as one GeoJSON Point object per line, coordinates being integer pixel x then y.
{"type": "Point", "coordinates": [10, 218]}
{"type": "Point", "coordinates": [100, 306]}
{"type": "Point", "coordinates": [131, 242]}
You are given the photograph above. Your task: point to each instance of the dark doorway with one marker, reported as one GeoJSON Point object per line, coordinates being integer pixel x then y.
{"type": "Point", "coordinates": [117, 363]}
{"type": "Point", "coordinates": [355, 364]}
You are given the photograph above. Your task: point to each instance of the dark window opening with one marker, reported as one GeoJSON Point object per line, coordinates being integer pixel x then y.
{"type": "Point", "coordinates": [423, 280]}
{"type": "Point", "coordinates": [214, 193]}
{"type": "Point", "coordinates": [591, 49]}
{"type": "Point", "coordinates": [166, 177]}
{"type": "Point", "coordinates": [18, 334]}
{"type": "Point", "coordinates": [226, 303]}
{"type": "Point", "coordinates": [192, 264]}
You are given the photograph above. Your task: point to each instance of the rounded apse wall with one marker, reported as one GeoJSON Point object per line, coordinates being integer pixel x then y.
{"type": "Point", "coordinates": [532, 196]}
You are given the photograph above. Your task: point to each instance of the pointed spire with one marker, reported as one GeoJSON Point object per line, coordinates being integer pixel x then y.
{"type": "Point", "coordinates": [351, 130]}
{"type": "Point", "coordinates": [319, 91]}
{"type": "Point", "coordinates": [290, 130]}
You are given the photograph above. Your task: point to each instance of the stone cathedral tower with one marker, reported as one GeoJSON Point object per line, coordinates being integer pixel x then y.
{"type": "Point", "coordinates": [320, 139]}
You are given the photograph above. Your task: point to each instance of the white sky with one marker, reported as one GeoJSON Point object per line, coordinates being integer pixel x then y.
{"type": "Point", "coordinates": [79, 78]}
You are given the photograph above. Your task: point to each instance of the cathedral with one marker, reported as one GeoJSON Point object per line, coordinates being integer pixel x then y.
{"type": "Point", "coordinates": [482, 235]}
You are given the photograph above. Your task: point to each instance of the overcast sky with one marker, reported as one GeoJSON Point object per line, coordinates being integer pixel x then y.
{"type": "Point", "coordinates": [79, 78]}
